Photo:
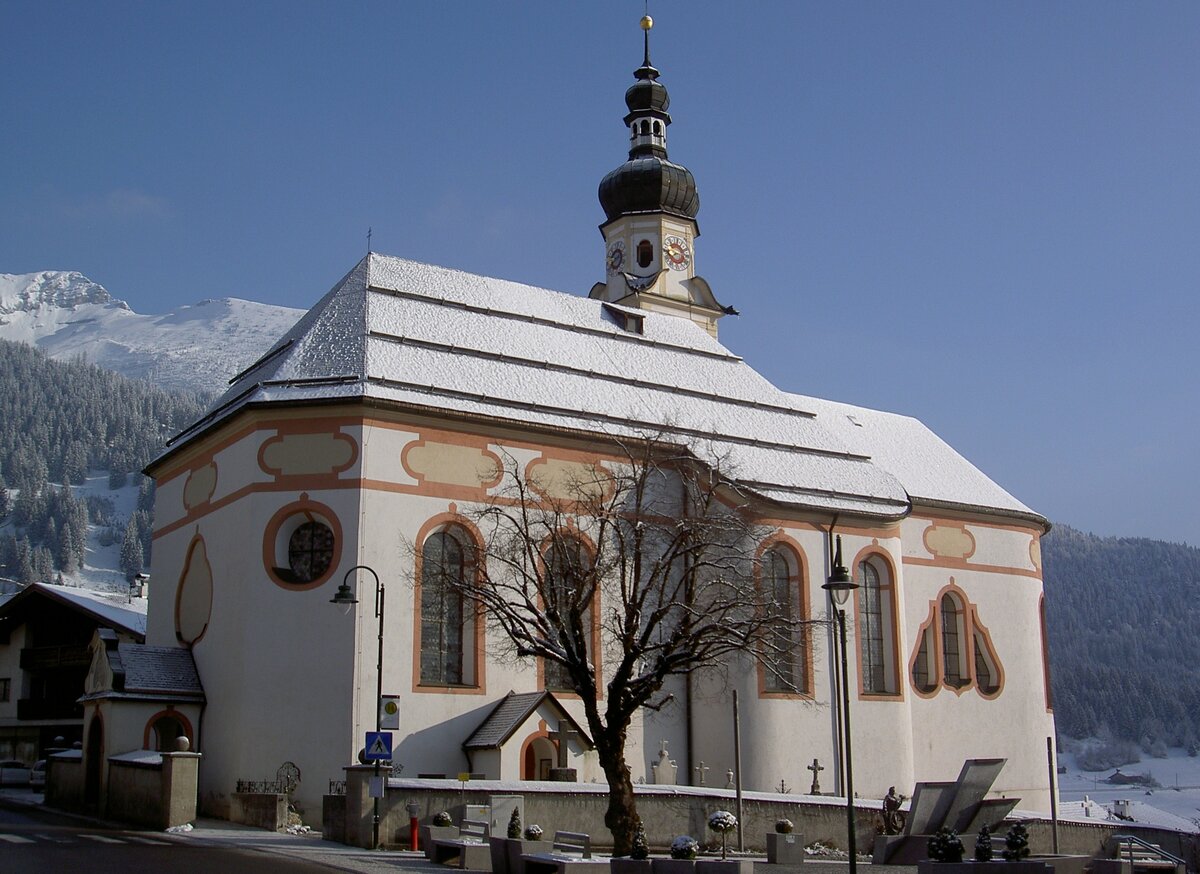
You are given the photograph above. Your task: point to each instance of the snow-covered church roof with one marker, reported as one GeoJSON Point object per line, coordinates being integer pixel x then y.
{"type": "Point", "coordinates": [432, 338]}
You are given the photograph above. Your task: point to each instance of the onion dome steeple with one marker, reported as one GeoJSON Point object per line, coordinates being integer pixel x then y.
{"type": "Point", "coordinates": [648, 182]}
{"type": "Point", "coordinates": [650, 208]}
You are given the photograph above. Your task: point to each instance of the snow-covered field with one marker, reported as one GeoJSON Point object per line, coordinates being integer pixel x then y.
{"type": "Point", "coordinates": [1174, 804]}
{"type": "Point", "coordinates": [101, 571]}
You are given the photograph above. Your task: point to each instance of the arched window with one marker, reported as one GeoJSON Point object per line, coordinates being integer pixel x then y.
{"type": "Point", "coordinates": [876, 621]}
{"type": "Point", "coordinates": [645, 253]}
{"type": "Point", "coordinates": [954, 649]}
{"type": "Point", "coordinates": [166, 730]}
{"type": "Point", "coordinates": [985, 667]}
{"type": "Point", "coordinates": [781, 672]}
{"type": "Point", "coordinates": [953, 643]}
{"type": "Point", "coordinates": [645, 128]}
{"type": "Point", "coordinates": [567, 566]}
{"type": "Point", "coordinates": [923, 672]}
{"type": "Point", "coordinates": [658, 129]}
{"type": "Point", "coordinates": [443, 610]}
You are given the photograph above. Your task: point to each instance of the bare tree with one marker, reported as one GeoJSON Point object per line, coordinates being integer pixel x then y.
{"type": "Point", "coordinates": [649, 561]}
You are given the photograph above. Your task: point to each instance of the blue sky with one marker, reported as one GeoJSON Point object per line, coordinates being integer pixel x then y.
{"type": "Point", "coordinates": [983, 215]}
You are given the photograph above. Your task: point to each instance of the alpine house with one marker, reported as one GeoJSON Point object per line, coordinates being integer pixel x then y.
{"type": "Point", "coordinates": [369, 432]}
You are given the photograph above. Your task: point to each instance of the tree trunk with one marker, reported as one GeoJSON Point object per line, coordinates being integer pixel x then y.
{"type": "Point", "coordinates": [621, 817]}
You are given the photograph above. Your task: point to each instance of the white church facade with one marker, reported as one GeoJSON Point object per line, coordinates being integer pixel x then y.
{"type": "Point", "coordinates": [370, 432]}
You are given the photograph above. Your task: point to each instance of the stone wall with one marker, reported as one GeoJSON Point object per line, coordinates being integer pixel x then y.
{"type": "Point", "coordinates": [260, 809]}
{"type": "Point", "coordinates": [667, 812]}
{"type": "Point", "coordinates": [134, 790]}
{"type": "Point", "coordinates": [64, 781]}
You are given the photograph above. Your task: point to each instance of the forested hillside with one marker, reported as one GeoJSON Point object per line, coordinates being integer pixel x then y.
{"type": "Point", "coordinates": [58, 421]}
{"type": "Point", "coordinates": [1123, 617]}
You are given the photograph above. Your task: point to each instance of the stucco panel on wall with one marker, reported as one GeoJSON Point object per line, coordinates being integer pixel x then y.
{"type": "Point", "coordinates": [199, 486]}
{"type": "Point", "coordinates": [563, 480]}
{"type": "Point", "coordinates": [998, 547]}
{"type": "Point", "coordinates": [308, 454]}
{"type": "Point", "coordinates": [452, 464]}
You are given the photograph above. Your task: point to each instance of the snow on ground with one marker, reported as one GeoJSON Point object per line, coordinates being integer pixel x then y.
{"type": "Point", "coordinates": [101, 571]}
{"type": "Point", "coordinates": [1175, 804]}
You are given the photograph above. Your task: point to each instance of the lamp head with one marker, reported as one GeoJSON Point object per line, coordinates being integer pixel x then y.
{"type": "Point", "coordinates": [840, 583]}
{"type": "Point", "coordinates": [344, 598]}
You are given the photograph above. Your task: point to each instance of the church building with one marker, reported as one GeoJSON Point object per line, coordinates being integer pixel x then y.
{"type": "Point", "coordinates": [365, 437]}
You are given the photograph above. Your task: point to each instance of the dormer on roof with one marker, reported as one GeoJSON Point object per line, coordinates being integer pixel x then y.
{"type": "Point", "coordinates": [650, 206]}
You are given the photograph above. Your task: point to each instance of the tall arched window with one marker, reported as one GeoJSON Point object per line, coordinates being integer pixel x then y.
{"type": "Point", "coordinates": [781, 670]}
{"type": "Point", "coordinates": [953, 643]}
{"type": "Point", "coordinates": [876, 621]}
{"type": "Point", "coordinates": [567, 567]}
{"type": "Point", "coordinates": [443, 614]}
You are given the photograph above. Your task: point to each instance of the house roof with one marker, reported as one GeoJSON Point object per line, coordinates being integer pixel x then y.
{"type": "Point", "coordinates": [508, 716]}
{"type": "Point", "coordinates": [158, 673]}
{"type": "Point", "coordinates": [159, 669]}
{"type": "Point", "coordinates": [130, 617]}
{"type": "Point", "coordinates": [435, 339]}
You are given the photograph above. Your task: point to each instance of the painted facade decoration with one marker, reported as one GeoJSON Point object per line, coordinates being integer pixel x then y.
{"type": "Point", "coordinates": [371, 431]}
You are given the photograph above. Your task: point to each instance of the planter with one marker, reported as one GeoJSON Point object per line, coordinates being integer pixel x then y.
{"type": "Point", "coordinates": [785, 849]}
{"type": "Point", "coordinates": [724, 866]}
{"type": "Point", "coordinates": [431, 833]}
{"type": "Point", "coordinates": [626, 865]}
{"type": "Point", "coordinates": [673, 866]}
{"type": "Point", "coordinates": [518, 847]}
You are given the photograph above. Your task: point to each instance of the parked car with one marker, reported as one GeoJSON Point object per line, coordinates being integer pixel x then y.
{"type": "Point", "coordinates": [37, 776]}
{"type": "Point", "coordinates": [14, 773]}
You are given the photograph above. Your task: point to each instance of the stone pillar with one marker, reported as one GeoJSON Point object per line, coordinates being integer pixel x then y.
{"type": "Point", "coordinates": [360, 806]}
{"type": "Point", "coordinates": [180, 787]}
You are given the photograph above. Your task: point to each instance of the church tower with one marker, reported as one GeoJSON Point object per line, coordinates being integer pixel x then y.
{"type": "Point", "coordinates": [650, 207]}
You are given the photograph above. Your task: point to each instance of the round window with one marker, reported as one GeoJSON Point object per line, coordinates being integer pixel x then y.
{"type": "Point", "coordinates": [310, 551]}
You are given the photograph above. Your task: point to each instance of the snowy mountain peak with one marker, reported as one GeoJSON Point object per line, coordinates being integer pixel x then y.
{"type": "Point", "coordinates": [197, 347]}
{"type": "Point", "coordinates": [63, 289]}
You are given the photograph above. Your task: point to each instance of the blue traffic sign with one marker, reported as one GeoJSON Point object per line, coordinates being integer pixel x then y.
{"type": "Point", "coordinates": [379, 746]}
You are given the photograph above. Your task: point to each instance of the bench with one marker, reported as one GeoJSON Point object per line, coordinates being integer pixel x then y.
{"type": "Point", "coordinates": [571, 853]}
{"type": "Point", "coordinates": [470, 850]}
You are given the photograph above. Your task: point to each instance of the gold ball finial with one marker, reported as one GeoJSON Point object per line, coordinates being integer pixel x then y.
{"type": "Point", "coordinates": [647, 22]}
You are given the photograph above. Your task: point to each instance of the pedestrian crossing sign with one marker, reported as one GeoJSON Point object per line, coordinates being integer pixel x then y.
{"type": "Point", "coordinates": [379, 746]}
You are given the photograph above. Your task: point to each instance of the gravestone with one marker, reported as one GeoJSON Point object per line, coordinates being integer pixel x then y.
{"type": "Point", "coordinates": [665, 770]}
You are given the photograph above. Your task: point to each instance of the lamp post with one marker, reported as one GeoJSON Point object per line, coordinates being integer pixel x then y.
{"type": "Point", "coordinates": [346, 600]}
{"type": "Point", "coordinates": [839, 587]}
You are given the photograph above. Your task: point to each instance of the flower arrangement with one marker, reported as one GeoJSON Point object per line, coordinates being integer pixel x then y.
{"type": "Point", "coordinates": [684, 847]}
{"type": "Point", "coordinates": [722, 822]}
{"type": "Point", "coordinates": [641, 846]}
{"type": "Point", "coordinates": [784, 826]}
{"type": "Point", "coordinates": [533, 832]}
{"type": "Point", "coordinates": [945, 846]}
{"type": "Point", "coordinates": [514, 825]}
{"type": "Point", "coordinates": [983, 845]}
{"type": "Point", "coordinates": [442, 819]}
{"type": "Point", "coordinates": [1016, 843]}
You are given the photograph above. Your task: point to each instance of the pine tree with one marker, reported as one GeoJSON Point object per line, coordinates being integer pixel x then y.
{"type": "Point", "coordinates": [132, 560]}
{"type": "Point", "coordinates": [24, 571]}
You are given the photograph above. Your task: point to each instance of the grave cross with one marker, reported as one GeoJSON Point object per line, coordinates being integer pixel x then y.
{"type": "Point", "coordinates": [816, 769]}
{"type": "Point", "coordinates": [563, 738]}
{"type": "Point", "coordinates": [700, 769]}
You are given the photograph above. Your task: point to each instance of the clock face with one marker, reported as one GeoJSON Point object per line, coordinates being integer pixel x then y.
{"type": "Point", "coordinates": [616, 256]}
{"type": "Point", "coordinates": [678, 255]}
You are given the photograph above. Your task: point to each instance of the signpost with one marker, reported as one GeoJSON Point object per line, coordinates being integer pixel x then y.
{"type": "Point", "coordinates": [378, 747]}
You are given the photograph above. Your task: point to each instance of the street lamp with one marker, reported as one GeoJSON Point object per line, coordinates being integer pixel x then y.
{"type": "Point", "coordinates": [839, 587]}
{"type": "Point", "coordinates": [346, 600]}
